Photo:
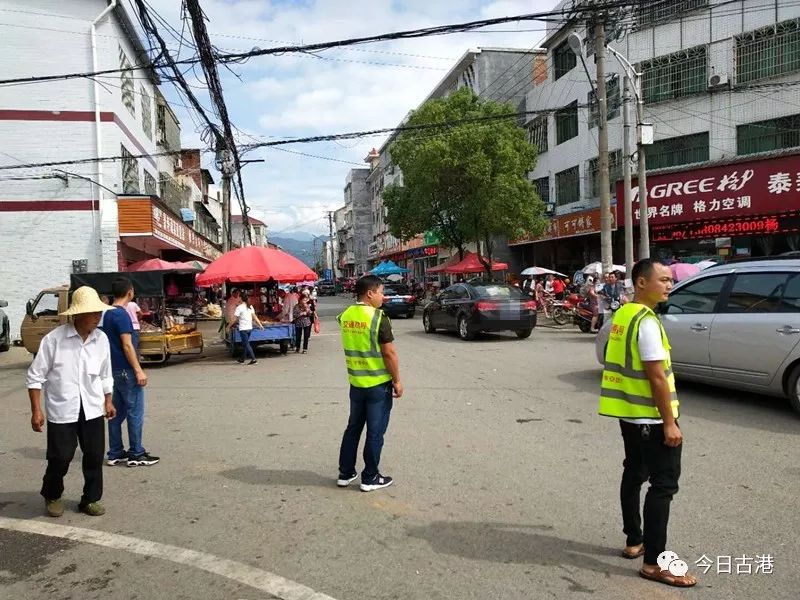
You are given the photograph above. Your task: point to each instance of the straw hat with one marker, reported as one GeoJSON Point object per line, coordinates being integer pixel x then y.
{"type": "Point", "coordinates": [85, 300]}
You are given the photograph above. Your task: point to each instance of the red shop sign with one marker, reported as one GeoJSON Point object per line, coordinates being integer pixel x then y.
{"type": "Point", "coordinates": [785, 222]}
{"type": "Point", "coordinates": [755, 187]}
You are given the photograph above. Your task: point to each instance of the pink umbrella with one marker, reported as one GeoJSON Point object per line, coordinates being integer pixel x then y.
{"type": "Point", "coordinates": [155, 264]}
{"type": "Point", "coordinates": [681, 271]}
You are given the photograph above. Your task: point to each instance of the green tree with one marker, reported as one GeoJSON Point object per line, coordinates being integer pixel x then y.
{"type": "Point", "coordinates": [466, 181]}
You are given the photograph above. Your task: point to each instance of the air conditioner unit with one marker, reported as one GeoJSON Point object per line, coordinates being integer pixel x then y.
{"type": "Point", "coordinates": [718, 81]}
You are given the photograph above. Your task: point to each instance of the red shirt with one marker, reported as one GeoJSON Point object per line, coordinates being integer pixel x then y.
{"type": "Point", "coordinates": [558, 286]}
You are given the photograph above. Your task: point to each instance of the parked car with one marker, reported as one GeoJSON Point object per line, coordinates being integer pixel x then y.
{"type": "Point", "coordinates": [398, 300]}
{"type": "Point", "coordinates": [326, 288]}
{"type": "Point", "coordinates": [737, 326]}
{"type": "Point", "coordinates": [471, 308]}
{"type": "Point", "coordinates": [5, 329]}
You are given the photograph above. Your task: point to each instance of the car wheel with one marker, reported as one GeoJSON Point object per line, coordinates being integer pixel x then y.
{"type": "Point", "coordinates": [426, 324]}
{"type": "Point", "coordinates": [524, 333]}
{"type": "Point", "coordinates": [464, 331]}
{"type": "Point", "coordinates": [793, 389]}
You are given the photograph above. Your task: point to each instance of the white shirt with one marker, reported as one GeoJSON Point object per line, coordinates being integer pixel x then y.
{"type": "Point", "coordinates": [72, 373]}
{"type": "Point", "coordinates": [133, 310]}
{"type": "Point", "coordinates": [245, 315]}
{"type": "Point", "coordinates": [651, 348]}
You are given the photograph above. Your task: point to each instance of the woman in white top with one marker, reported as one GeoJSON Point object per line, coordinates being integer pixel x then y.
{"type": "Point", "coordinates": [244, 317]}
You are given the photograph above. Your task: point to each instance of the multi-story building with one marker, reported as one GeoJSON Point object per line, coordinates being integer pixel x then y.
{"type": "Point", "coordinates": [501, 74]}
{"type": "Point", "coordinates": [719, 83]}
{"type": "Point", "coordinates": [258, 231]}
{"type": "Point", "coordinates": [345, 241]}
{"type": "Point", "coordinates": [87, 215]}
{"type": "Point", "coordinates": [357, 197]}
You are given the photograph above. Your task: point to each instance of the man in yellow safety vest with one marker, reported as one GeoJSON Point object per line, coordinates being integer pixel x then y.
{"type": "Point", "coordinates": [374, 373]}
{"type": "Point", "coordinates": [638, 388]}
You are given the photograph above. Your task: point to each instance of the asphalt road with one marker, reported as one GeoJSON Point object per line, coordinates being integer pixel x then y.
{"type": "Point", "coordinates": [507, 483]}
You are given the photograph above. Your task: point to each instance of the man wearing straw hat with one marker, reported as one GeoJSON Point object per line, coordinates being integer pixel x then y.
{"type": "Point", "coordinates": [73, 366]}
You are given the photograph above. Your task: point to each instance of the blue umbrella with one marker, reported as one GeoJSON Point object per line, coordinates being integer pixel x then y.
{"type": "Point", "coordinates": [388, 268]}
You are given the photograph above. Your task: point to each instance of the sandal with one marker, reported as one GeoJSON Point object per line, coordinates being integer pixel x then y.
{"type": "Point", "coordinates": [668, 578]}
{"type": "Point", "coordinates": [631, 556]}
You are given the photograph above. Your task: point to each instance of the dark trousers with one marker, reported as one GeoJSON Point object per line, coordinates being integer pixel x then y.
{"type": "Point", "coordinates": [62, 439]}
{"type": "Point", "coordinates": [305, 333]}
{"type": "Point", "coordinates": [371, 406]}
{"type": "Point", "coordinates": [247, 349]}
{"type": "Point", "coordinates": [648, 458]}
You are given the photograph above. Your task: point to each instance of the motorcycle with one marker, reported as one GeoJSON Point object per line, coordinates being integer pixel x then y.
{"type": "Point", "coordinates": [578, 309]}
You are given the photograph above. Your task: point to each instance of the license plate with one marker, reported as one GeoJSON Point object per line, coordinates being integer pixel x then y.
{"type": "Point", "coordinates": [397, 300]}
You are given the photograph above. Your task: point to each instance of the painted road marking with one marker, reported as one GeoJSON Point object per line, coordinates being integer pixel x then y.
{"type": "Point", "coordinates": [230, 569]}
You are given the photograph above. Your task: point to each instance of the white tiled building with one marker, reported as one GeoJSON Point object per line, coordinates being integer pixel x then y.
{"type": "Point", "coordinates": [55, 219]}
{"type": "Point", "coordinates": [698, 58]}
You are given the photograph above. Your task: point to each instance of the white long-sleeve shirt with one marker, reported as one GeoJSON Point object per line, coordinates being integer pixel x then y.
{"type": "Point", "coordinates": [72, 372]}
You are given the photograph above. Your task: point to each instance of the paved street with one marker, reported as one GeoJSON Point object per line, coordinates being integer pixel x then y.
{"type": "Point", "coordinates": [506, 483]}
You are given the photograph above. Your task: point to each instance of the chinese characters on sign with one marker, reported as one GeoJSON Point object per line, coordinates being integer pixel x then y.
{"type": "Point", "coordinates": [170, 229]}
{"type": "Point", "coordinates": [786, 222]}
{"type": "Point", "coordinates": [745, 188]}
{"type": "Point", "coordinates": [579, 223]}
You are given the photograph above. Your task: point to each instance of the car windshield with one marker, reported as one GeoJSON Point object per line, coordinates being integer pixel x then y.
{"type": "Point", "coordinates": [395, 290]}
{"type": "Point", "coordinates": [498, 291]}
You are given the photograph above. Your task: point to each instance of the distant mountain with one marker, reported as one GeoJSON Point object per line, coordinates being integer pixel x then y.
{"type": "Point", "coordinates": [304, 249]}
{"type": "Point", "coordinates": [301, 236]}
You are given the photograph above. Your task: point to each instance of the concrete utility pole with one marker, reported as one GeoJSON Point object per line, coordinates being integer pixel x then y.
{"type": "Point", "coordinates": [606, 252]}
{"type": "Point", "coordinates": [226, 212]}
{"type": "Point", "coordinates": [626, 173]}
{"type": "Point", "coordinates": [643, 131]}
{"type": "Point", "coordinates": [330, 243]}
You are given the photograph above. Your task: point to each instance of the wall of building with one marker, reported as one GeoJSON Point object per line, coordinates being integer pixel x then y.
{"type": "Point", "coordinates": [360, 196]}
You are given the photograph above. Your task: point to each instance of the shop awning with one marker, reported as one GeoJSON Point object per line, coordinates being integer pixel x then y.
{"type": "Point", "coordinates": [473, 264]}
{"type": "Point", "coordinates": [440, 268]}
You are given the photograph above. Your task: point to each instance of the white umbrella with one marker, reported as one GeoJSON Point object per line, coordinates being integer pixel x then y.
{"type": "Point", "coordinates": [597, 268]}
{"type": "Point", "coordinates": [704, 264]}
{"type": "Point", "coordinates": [541, 271]}
{"type": "Point", "coordinates": [395, 277]}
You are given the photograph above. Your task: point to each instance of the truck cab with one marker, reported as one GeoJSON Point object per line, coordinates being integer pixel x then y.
{"type": "Point", "coordinates": [42, 316]}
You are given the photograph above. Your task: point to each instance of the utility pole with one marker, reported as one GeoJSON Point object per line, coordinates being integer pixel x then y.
{"type": "Point", "coordinates": [224, 164]}
{"type": "Point", "coordinates": [626, 173]}
{"type": "Point", "coordinates": [330, 243]}
{"type": "Point", "coordinates": [643, 130]}
{"type": "Point", "coordinates": [606, 255]}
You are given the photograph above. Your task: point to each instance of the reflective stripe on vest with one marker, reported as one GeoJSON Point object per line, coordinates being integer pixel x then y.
{"type": "Point", "coordinates": [626, 391]}
{"type": "Point", "coordinates": [365, 365]}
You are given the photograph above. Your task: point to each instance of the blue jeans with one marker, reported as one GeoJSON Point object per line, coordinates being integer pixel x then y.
{"type": "Point", "coordinates": [247, 349]}
{"type": "Point", "coordinates": [370, 406]}
{"type": "Point", "coordinates": [128, 399]}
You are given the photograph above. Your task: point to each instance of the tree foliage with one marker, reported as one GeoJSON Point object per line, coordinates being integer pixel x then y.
{"type": "Point", "coordinates": [466, 182]}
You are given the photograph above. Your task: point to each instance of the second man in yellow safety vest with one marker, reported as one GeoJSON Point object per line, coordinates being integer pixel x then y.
{"type": "Point", "coordinates": [638, 388]}
{"type": "Point", "coordinates": [374, 373]}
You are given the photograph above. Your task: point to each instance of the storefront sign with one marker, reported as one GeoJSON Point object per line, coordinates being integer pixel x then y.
{"type": "Point", "coordinates": [745, 188]}
{"type": "Point", "coordinates": [573, 224]}
{"type": "Point", "coordinates": [167, 227]}
{"type": "Point", "coordinates": [785, 222]}
{"type": "Point", "coordinates": [431, 239]}
{"type": "Point", "coordinates": [421, 252]}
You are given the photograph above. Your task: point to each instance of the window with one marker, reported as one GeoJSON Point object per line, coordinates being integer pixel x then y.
{"type": "Point", "coordinates": [699, 297]}
{"type": "Point", "coordinates": [567, 123]}
{"type": "Point", "coordinates": [756, 293]}
{"type": "Point", "coordinates": [768, 52]}
{"type": "Point", "coordinates": [564, 60]}
{"type": "Point", "coordinates": [568, 186]}
{"type": "Point", "coordinates": [147, 115]}
{"type": "Point", "coordinates": [682, 150]}
{"type": "Point", "coordinates": [130, 173]}
{"type": "Point", "coordinates": [614, 174]}
{"type": "Point", "coordinates": [46, 305]}
{"type": "Point", "coordinates": [537, 133]}
{"type": "Point", "coordinates": [764, 136]}
{"type": "Point", "coordinates": [126, 82]}
{"type": "Point", "coordinates": [613, 101]}
{"type": "Point", "coordinates": [791, 295]}
{"type": "Point", "coordinates": [543, 187]}
{"type": "Point", "coordinates": [675, 75]}
{"type": "Point", "coordinates": [653, 12]}
{"type": "Point", "coordinates": [150, 186]}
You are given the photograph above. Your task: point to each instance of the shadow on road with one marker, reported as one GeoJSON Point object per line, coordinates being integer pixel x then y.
{"type": "Point", "coordinates": [722, 405]}
{"type": "Point", "coordinates": [254, 476]}
{"type": "Point", "coordinates": [521, 544]}
{"type": "Point", "coordinates": [448, 337]}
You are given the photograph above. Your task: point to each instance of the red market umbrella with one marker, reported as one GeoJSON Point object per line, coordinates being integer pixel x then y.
{"type": "Point", "coordinates": [472, 264]}
{"type": "Point", "coordinates": [453, 260]}
{"type": "Point", "coordinates": [255, 264]}
{"type": "Point", "coordinates": [155, 264]}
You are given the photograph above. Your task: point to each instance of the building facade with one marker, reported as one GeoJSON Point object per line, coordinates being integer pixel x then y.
{"type": "Point", "coordinates": [88, 215]}
{"type": "Point", "coordinates": [258, 231]}
{"type": "Point", "coordinates": [719, 84]}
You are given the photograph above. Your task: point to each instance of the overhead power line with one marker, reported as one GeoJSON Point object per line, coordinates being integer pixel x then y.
{"type": "Point", "coordinates": [398, 35]}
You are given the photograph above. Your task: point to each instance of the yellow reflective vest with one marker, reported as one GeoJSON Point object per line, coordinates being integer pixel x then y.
{"type": "Point", "coordinates": [626, 391]}
{"type": "Point", "coordinates": [365, 365]}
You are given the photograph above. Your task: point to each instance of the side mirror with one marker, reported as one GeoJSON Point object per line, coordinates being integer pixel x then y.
{"type": "Point", "coordinates": [29, 308]}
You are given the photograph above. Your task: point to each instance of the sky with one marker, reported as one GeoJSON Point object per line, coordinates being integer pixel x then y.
{"type": "Point", "coordinates": [357, 88]}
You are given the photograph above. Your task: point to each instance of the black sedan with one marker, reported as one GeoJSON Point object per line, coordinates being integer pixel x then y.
{"type": "Point", "coordinates": [398, 300]}
{"type": "Point", "coordinates": [472, 308]}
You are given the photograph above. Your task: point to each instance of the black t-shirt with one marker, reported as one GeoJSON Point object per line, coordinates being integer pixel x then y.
{"type": "Point", "coordinates": [385, 335]}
